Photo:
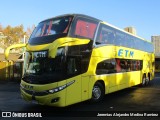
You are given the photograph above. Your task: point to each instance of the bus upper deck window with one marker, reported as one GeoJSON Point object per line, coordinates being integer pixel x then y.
{"type": "Point", "coordinates": [105, 35]}
{"type": "Point", "coordinates": [85, 28]}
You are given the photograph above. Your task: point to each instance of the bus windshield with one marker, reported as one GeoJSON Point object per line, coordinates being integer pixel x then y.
{"type": "Point", "coordinates": [43, 70]}
{"type": "Point", "coordinates": [77, 27]}
{"type": "Point", "coordinates": [52, 27]}
{"type": "Point", "coordinates": [49, 30]}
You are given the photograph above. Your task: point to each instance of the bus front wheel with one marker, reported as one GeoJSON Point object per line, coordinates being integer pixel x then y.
{"type": "Point", "coordinates": [97, 92]}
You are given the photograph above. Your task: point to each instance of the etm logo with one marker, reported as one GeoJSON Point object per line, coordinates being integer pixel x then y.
{"type": "Point", "coordinates": [125, 53]}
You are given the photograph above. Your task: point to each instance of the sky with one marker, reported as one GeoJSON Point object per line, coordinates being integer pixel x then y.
{"type": "Point", "coordinates": [143, 15]}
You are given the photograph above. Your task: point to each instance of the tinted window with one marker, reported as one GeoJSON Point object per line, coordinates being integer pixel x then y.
{"type": "Point", "coordinates": [50, 30]}
{"type": "Point", "coordinates": [106, 67]}
{"type": "Point", "coordinates": [126, 65]}
{"type": "Point", "coordinates": [109, 35]}
{"type": "Point", "coordinates": [51, 27]}
{"type": "Point", "coordinates": [118, 66]}
{"type": "Point", "coordinates": [84, 28]}
{"type": "Point", "coordinates": [106, 35]}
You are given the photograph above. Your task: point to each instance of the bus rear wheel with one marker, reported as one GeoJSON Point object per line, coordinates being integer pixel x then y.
{"type": "Point", "coordinates": [148, 79]}
{"type": "Point", "coordinates": [144, 81]}
{"type": "Point", "coordinates": [97, 92]}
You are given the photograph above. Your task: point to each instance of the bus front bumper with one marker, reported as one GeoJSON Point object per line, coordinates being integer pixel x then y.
{"type": "Point", "coordinates": [56, 99]}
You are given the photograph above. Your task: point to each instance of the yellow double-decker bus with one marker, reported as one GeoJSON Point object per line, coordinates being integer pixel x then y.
{"type": "Point", "coordinates": [73, 58]}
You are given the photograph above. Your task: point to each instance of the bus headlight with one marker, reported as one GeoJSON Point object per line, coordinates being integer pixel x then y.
{"type": "Point", "coordinates": [57, 89]}
{"type": "Point", "coordinates": [46, 92]}
{"type": "Point", "coordinates": [60, 87]}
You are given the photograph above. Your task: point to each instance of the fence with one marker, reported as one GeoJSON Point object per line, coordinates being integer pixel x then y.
{"type": "Point", "coordinates": [11, 71]}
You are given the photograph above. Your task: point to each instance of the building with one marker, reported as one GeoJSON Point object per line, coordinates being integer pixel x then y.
{"type": "Point", "coordinates": [156, 42]}
{"type": "Point", "coordinates": [11, 69]}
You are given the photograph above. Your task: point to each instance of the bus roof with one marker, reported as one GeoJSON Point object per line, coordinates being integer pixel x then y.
{"type": "Point", "coordinates": [103, 22]}
{"type": "Point", "coordinates": [74, 15]}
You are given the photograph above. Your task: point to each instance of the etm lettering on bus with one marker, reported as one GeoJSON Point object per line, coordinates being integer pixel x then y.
{"type": "Point", "coordinates": [125, 53]}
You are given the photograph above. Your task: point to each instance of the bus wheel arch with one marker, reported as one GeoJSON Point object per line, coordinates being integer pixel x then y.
{"type": "Point", "coordinates": [98, 91]}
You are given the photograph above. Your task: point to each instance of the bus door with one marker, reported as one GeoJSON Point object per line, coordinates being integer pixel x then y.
{"type": "Point", "coordinates": [110, 65]}
{"type": "Point", "coordinates": [73, 92]}
{"type": "Point", "coordinates": [122, 76]}
{"type": "Point", "coordinates": [85, 87]}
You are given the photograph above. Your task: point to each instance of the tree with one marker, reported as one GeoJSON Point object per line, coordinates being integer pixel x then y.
{"type": "Point", "coordinates": [29, 31]}
{"type": "Point", "coordinates": [14, 34]}
{"type": "Point", "coordinates": [1, 28]}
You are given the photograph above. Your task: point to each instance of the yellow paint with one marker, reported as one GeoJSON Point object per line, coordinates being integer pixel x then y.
{"type": "Point", "coordinates": [85, 87]}
{"type": "Point", "coordinates": [6, 53]}
{"type": "Point", "coordinates": [83, 84]}
{"type": "Point", "coordinates": [52, 47]}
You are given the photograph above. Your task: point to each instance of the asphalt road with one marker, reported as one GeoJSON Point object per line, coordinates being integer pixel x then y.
{"type": "Point", "coordinates": [134, 99]}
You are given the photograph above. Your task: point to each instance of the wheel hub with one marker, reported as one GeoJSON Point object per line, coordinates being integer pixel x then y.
{"type": "Point", "coordinates": [96, 92]}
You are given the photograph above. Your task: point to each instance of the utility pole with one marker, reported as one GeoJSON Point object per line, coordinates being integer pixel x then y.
{"type": "Point", "coordinates": [24, 41]}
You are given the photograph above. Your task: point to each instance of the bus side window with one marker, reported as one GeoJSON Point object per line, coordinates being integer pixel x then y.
{"type": "Point", "coordinates": [85, 28]}
{"type": "Point", "coordinates": [137, 65]}
{"type": "Point", "coordinates": [134, 65]}
{"type": "Point", "coordinates": [123, 65]}
{"type": "Point", "coordinates": [73, 66]}
{"type": "Point", "coordinates": [141, 64]}
{"type": "Point", "coordinates": [100, 39]}
{"type": "Point", "coordinates": [105, 35]}
{"type": "Point", "coordinates": [106, 67]}
{"type": "Point", "coordinates": [118, 67]}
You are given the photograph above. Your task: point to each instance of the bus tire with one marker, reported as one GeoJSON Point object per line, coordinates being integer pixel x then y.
{"type": "Point", "coordinates": [143, 81]}
{"type": "Point", "coordinates": [148, 79]}
{"type": "Point", "coordinates": [98, 92]}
